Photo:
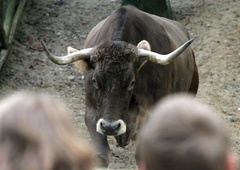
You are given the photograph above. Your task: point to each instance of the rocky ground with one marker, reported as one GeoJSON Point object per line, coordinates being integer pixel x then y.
{"type": "Point", "coordinates": [215, 25]}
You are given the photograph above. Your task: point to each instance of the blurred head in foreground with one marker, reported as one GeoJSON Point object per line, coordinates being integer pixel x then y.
{"type": "Point", "coordinates": [183, 134]}
{"type": "Point", "coordinates": [36, 134]}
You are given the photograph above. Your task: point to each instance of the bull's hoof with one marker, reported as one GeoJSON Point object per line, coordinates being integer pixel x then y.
{"type": "Point", "coordinates": [102, 161]}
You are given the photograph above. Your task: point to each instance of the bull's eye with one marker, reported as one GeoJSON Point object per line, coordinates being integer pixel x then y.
{"type": "Point", "coordinates": [94, 83]}
{"type": "Point", "coordinates": [131, 85]}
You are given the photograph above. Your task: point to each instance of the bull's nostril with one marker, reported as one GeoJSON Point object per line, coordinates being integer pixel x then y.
{"type": "Point", "coordinates": [116, 127]}
{"type": "Point", "coordinates": [111, 127]}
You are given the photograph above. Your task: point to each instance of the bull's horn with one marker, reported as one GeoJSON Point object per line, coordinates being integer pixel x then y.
{"type": "Point", "coordinates": [164, 59]}
{"type": "Point", "coordinates": [70, 58]}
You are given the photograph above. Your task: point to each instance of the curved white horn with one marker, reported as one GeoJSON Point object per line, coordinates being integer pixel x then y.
{"type": "Point", "coordinates": [70, 58]}
{"type": "Point", "coordinates": [164, 59]}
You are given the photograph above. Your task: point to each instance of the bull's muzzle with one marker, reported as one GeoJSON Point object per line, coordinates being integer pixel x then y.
{"type": "Point", "coordinates": [113, 128]}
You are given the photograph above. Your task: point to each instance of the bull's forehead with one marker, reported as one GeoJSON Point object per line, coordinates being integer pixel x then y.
{"type": "Point", "coordinates": [115, 52]}
{"type": "Point", "coordinates": [113, 73]}
{"type": "Point", "coordinates": [114, 70]}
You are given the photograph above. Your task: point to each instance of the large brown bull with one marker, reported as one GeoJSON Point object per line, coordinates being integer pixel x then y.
{"type": "Point", "coordinates": [125, 76]}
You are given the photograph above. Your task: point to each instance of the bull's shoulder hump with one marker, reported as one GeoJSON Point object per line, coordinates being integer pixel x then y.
{"type": "Point", "coordinates": [112, 28]}
{"type": "Point", "coordinates": [126, 8]}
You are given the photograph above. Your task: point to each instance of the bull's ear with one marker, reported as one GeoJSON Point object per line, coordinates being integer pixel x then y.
{"type": "Point", "coordinates": [71, 50]}
{"type": "Point", "coordinates": [82, 65]}
{"type": "Point", "coordinates": [144, 45]}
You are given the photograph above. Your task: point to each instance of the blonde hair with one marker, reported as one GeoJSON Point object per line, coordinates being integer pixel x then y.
{"type": "Point", "coordinates": [36, 134]}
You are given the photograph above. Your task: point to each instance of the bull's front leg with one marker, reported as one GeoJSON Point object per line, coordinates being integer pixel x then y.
{"type": "Point", "coordinates": [100, 142]}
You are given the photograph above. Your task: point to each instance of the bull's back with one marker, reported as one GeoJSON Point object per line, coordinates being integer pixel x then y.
{"type": "Point", "coordinates": [132, 25]}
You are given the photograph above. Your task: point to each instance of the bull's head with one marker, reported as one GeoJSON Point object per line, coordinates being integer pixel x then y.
{"type": "Point", "coordinates": [111, 70]}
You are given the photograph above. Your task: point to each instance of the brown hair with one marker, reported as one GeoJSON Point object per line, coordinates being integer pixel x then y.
{"type": "Point", "coordinates": [183, 134]}
{"type": "Point", "coordinates": [36, 134]}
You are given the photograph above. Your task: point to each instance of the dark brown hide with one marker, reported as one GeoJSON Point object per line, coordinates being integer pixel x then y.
{"type": "Point", "coordinates": [116, 89]}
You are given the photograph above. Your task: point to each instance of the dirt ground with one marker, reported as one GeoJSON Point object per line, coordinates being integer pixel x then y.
{"type": "Point", "coordinates": [215, 25]}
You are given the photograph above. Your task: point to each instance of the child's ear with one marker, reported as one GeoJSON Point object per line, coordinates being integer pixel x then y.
{"type": "Point", "coordinates": [141, 166]}
{"type": "Point", "coordinates": [231, 162]}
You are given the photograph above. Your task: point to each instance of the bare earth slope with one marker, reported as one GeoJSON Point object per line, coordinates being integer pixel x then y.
{"type": "Point", "coordinates": [215, 25]}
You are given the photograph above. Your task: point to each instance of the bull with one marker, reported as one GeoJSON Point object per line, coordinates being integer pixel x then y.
{"type": "Point", "coordinates": [130, 61]}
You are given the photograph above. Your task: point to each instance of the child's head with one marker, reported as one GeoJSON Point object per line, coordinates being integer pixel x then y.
{"type": "Point", "coordinates": [36, 134]}
{"type": "Point", "coordinates": [183, 134]}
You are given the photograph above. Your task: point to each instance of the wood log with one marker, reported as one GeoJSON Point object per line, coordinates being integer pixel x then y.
{"type": "Point", "coordinates": [16, 20]}
{"type": "Point", "coordinates": [9, 26]}
{"type": "Point", "coordinates": [3, 55]}
{"type": "Point", "coordinates": [3, 38]}
{"type": "Point", "coordinates": [11, 7]}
